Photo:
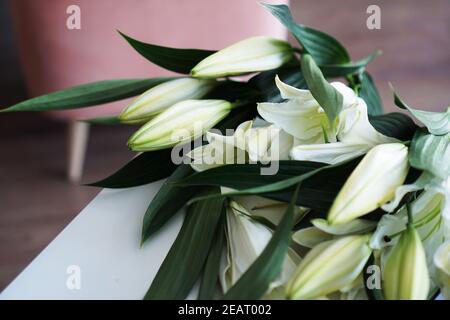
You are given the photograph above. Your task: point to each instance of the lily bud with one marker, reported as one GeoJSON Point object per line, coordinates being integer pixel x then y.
{"type": "Point", "coordinates": [246, 56]}
{"type": "Point", "coordinates": [372, 183]}
{"type": "Point", "coordinates": [181, 123]}
{"type": "Point", "coordinates": [330, 266]}
{"type": "Point", "coordinates": [405, 272]}
{"type": "Point", "coordinates": [162, 96]}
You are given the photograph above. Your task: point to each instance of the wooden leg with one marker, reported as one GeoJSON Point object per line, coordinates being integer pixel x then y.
{"type": "Point", "coordinates": [78, 138]}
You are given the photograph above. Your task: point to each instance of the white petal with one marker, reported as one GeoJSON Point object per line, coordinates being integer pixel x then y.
{"type": "Point", "coordinates": [353, 227]}
{"type": "Point", "coordinates": [305, 121]}
{"type": "Point", "coordinates": [310, 237]}
{"type": "Point", "coordinates": [402, 190]}
{"type": "Point", "coordinates": [331, 153]}
{"type": "Point", "coordinates": [354, 126]}
{"type": "Point", "coordinates": [290, 92]}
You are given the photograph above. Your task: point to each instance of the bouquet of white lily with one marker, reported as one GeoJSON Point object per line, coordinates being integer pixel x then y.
{"type": "Point", "coordinates": [296, 186]}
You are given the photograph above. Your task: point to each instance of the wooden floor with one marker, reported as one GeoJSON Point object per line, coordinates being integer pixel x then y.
{"type": "Point", "coordinates": [36, 201]}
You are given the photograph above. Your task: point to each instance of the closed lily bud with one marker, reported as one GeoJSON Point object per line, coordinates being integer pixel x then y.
{"type": "Point", "coordinates": [181, 123]}
{"type": "Point", "coordinates": [157, 99]}
{"type": "Point", "coordinates": [405, 274]}
{"type": "Point", "coordinates": [330, 266]}
{"type": "Point", "coordinates": [246, 56]}
{"type": "Point", "coordinates": [372, 183]}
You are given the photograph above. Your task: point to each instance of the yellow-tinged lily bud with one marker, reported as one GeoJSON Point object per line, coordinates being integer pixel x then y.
{"type": "Point", "coordinates": [405, 274]}
{"type": "Point", "coordinates": [181, 123]}
{"type": "Point", "coordinates": [329, 266]}
{"type": "Point", "coordinates": [372, 183]}
{"type": "Point", "coordinates": [157, 99]}
{"type": "Point", "coordinates": [246, 56]}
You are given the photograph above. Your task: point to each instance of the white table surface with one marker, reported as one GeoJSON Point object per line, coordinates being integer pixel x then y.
{"type": "Point", "coordinates": [104, 242]}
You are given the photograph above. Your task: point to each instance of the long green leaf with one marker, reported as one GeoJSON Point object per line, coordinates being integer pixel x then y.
{"type": "Point", "coordinates": [145, 168]}
{"type": "Point", "coordinates": [168, 201]}
{"type": "Point", "coordinates": [183, 264]}
{"type": "Point", "coordinates": [396, 125]}
{"type": "Point", "coordinates": [173, 59]}
{"type": "Point", "coordinates": [208, 284]}
{"type": "Point", "coordinates": [89, 94]}
{"type": "Point", "coordinates": [369, 93]}
{"type": "Point", "coordinates": [326, 95]}
{"type": "Point", "coordinates": [431, 153]}
{"type": "Point", "coordinates": [320, 182]}
{"type": "Point", "coordinates": [107, 121]}
{"type": "Point", "coordinates": [340, 70]}
{"type": "Point", "coordinates": [324, 48]}
{"type": "Point", "coordinates": [253, 284]}
{"type": "Point", "coordinates": [438, 123]}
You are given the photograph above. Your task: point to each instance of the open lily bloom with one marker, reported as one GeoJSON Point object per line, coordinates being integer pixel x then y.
{"type": "Point", "coordinates": [246, 239]}
{"type": "Point", "coordinates": [262, 144]}
{"type": "Point", "coordinates": [302, 117]}
{"type": "Point", "coordinates": [268, 209]}
{"type": "Point", "coordinates": [431, 227]}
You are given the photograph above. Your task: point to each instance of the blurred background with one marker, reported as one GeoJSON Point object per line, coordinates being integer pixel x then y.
{"type": "Point", "coordinates": [41, 157]}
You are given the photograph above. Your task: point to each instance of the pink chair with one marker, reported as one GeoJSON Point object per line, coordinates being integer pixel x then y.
{"type": "Point", "coordinates": [54, 57]}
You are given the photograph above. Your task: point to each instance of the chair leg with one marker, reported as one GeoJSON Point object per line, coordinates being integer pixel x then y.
{"type": "Point", "coordinates": [77, 144]}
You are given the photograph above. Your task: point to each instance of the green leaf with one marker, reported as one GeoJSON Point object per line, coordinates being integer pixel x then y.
{"type": "Point", "coordinates": [89, 94]}
{"type": "Point", "coordinates": [324, 48]}
{"type": "Point", "coordinates": [320, 182]}
{"type": "Point", "coordinates": [431, 153]}
{"type": "Point", "coordinates": [108, 121]}
{"type": "Point", "coordinates": [183, 264]}
{"type": "Point", "coordinates": [208, 284]}
{"type": "Point", "coordinates": [253, 284]}
{"type": "Point", "coordinates": [265, 81]}
{"type": "Point", "coordinates": [237, 116]}
{"type": "Point", "coordinates": [342, 70]}
{"type": "Point", "coordinates": [396, 125]}
{"type": "Point", "coordinates": [438, 123]}
{"type": "Point", "coordinates": [145, 168]}
{"type": "Point", "coordinates": [369, 93]}
{"type": "Point", "coordinates": [326, 95]}
{"type": "Point", "coordinates": [173, 59]}
{"type": "Point", "coordinates": [168, 201]}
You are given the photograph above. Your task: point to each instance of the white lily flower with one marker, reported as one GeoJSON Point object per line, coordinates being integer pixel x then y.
{"type": "Point", "coordinates": [310, 237]}
{"type": "Point", "coordinates": [250, 55]}
{"type": "Point", "coordinates": [255, 144]}
{"type": "Point", "coordinates": [442, 262]}
{"type": "Point", "coordinates": [372, 183]}
{"type": "Point", "coordinates": [354, 127]}
{"type": "Point", "coordinates": [330, 153]}
{"type": "Point", "coordinates": [425, 211]}
{"type": "Point", "coordinates": [221, 150]}
{"type": "Point", "coordinates": [181, 123]}
{"type": "Point", "coordinates": [322, 231]}
{"type": "Point", "coordinates": [269, 209]}
{"type": "Point", "coordinates": [357, 226]}
{"type": "Point", "coordinates": [247, 238]}
{"type": "Point", "coordinates": [329, 266]}
{"type": "Point", "coordinates": [268, 144]}
{"type": "Point", "coordinates": [162, 96]}
{"type": "Point", "coordinates": [302, 116]}
{"type": "Point", "coordinates": [405, 274]}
